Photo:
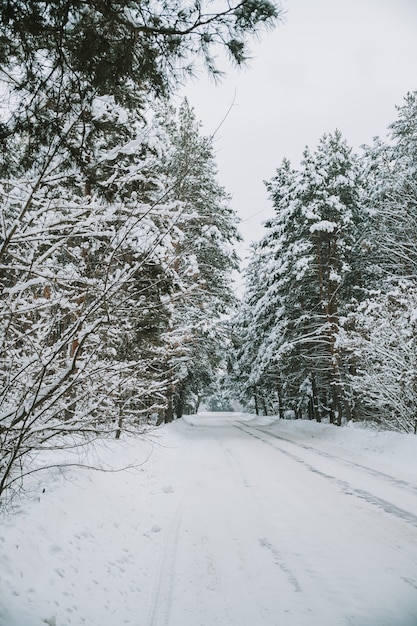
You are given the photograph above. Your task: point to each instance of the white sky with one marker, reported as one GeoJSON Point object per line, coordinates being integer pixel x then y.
{"type": "Point", "coordinates": [332, 64]}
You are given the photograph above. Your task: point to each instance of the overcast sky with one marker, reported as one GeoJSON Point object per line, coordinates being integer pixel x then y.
{"type": "Point", "coordinates": [331, 64]}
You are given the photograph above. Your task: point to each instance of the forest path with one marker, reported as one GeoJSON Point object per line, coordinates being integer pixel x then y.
{"type": "Point", "coordinates": [219, 520]}
{"type": "Point", "coordinates": [269, 531]}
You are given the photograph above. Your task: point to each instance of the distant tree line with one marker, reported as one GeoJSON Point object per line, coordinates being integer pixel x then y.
{"type": "Point", "coordinates": [328, 325]}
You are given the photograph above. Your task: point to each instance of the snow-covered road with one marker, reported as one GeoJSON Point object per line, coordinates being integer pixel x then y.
{"type": "Point", "coordinates": [271, 531]}
{"type": "Point", "coordinates": [230, 522]}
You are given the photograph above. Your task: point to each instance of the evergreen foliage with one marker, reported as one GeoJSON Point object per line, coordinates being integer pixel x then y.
{"type": "Point", "coordinates": [58, 57]}
{"type": "Point", "coordinates": [381, 332]}
{"type": "Point", "coordinates": [327, 327]}
{"type": "Point", "coordinates": [302, 278]}
{"type": "Point", "coordinates": [204, 259]}
{"type": "Point", "coordinates": [112, 287]}
{"type": "Point", "coordinates": [113, 253]}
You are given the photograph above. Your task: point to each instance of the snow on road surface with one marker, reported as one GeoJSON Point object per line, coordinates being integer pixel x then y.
{"type": "Point", "coordinates": [232, 520]}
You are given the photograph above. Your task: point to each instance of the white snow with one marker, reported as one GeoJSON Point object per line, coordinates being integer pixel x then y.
{"type": "Point", "coordinates": [227, 520]}
{"type": "Point", "coordinates": [323, 226]}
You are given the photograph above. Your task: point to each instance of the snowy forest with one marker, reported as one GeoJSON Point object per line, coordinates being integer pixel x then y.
{"type": "Point", "coordinates": [117, 243]}
{"type": "Point", "coordinates": [327, 328]}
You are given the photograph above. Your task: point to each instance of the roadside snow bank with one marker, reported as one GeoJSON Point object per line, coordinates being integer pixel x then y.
{"type": "Point", "coordinates": [363, 440]}
{"type": "Point", "coordinates": [75, 546]}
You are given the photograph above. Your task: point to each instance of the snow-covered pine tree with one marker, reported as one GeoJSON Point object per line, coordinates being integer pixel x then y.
{"type": "Point", "coordinates": [380, 333]}
{"type": "Point", "coordinates": [392, 168]}
{"type": "Point", "coordinates": [246, 379]}
{"type": "Point", "coordinates": [126, 46]}
{"type": "Point", "coordinates": [262, 320]}
{"type": "Point", "coordinates": [331, 218]}
{"type": "Point", "coordinates": [307, 279]}
{"type": "Point", "coordinates": [381, 337]}
{"type": "Point", "coordinates": [202, 239]}
{"type": "Point", "coordinates": [82, 243]}
{"type": "Point", "coordinates": [82, 277]}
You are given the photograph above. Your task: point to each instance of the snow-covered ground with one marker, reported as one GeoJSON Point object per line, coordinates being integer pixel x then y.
{"type": "Point", "coordinates": [231, 521]}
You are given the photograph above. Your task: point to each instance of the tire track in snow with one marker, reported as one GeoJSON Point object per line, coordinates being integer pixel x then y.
{"type": "Point", "coordinates": [160, 606]}
{"type": "Point", "coordinates": [299, 580]}
{"type": "Point", "coordinates": [280, 562]}
{"type": "Point", "coordinates": [160, 610]}
{"type": "Point", "coordinates": [373, 472]}
{"type": "Point", "coordinates": [263, 541]}
{"type": "Point", "coordinates": [347, 489]}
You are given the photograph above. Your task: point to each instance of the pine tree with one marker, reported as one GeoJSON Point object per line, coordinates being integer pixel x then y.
{"type": "Point", "coordinates": [380, 333]}
{"type": "Point", "coordinates": [82, 314]}
{"type": "Point", "coordinates": [331, 214]}
{"type": "Point", "coordinates": [92, 276]}
{"type": "Point", "coordinates": [204, 258]}
{"type": "Point", "coordinates": [392, 169]}
{"type": "Point", "coordinates": [57, 57]}
{"type": "Point", "coordinates": [306, 280]}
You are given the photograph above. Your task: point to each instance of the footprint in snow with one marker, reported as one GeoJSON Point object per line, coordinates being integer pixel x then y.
{"type": "Point", "coordinates": [156, 529]}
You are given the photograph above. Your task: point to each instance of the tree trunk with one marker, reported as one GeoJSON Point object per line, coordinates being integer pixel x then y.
{"type": "Point", "coordinates": [310, 409]}
{"type": "Point", "coordinates": [336, 404]}
{"type": "Point", "coordinates": [255, 397]}
{"type": "Point", "coordinates": [179, 404]}
{"type": "Point", "coordinates": [120, 420]}
{"type": "Point", "coordinates": [279, 393]}
{"type": "Point", "coordinates": [169, 411]}
{"type": "Point", "coordinates": [315, 400]}
{"type": "Point", "coordinates": [119, 427]}
{"type": "Point", "coordinates": [197, 404]}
